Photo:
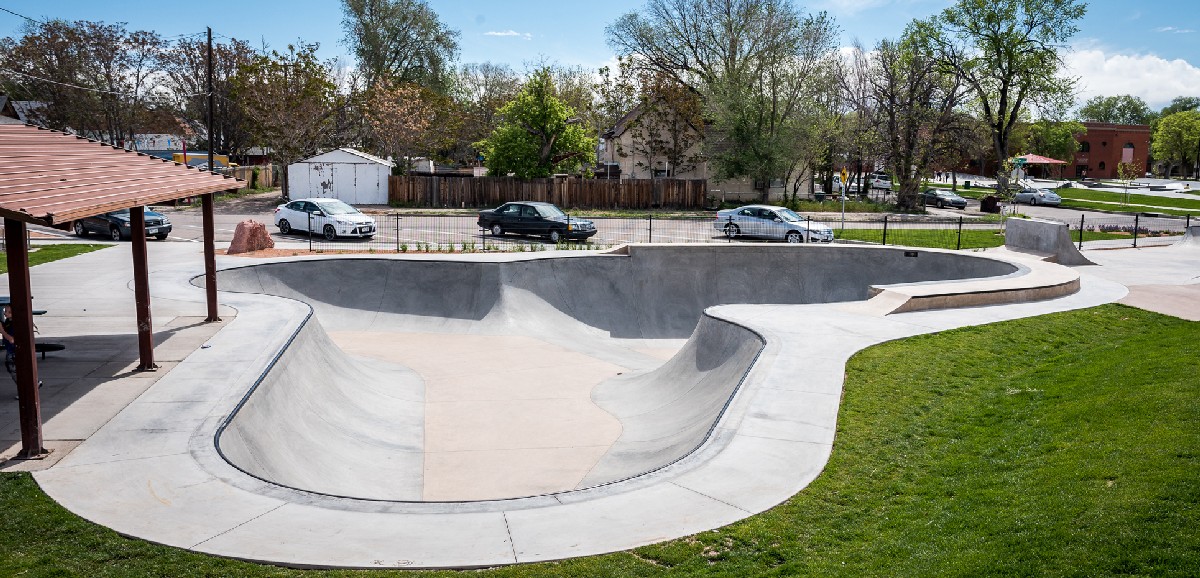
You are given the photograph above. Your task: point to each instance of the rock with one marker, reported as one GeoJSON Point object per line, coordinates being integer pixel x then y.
{"type": "Point", "coordinates": [250, 236]}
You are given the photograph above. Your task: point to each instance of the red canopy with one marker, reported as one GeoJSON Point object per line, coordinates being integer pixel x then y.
{"type": "Point", "coordinates": [1040, 160]}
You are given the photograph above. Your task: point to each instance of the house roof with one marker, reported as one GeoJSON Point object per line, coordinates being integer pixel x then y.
{"type": "Point", "coordinates": [49, 177]}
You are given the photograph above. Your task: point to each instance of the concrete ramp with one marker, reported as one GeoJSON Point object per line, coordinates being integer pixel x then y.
{"type": "Point", "coordinates": [1191, 238]}
{"type": "Point", "coordinates": [558, 382]}
{"type": "Point", "coordinates": [1048, 239]}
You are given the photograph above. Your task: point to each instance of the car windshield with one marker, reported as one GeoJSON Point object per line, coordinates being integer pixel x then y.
{"type": "Point", "coordinates": [549, 211]}
{"type": "Point", "coordinates": [336, 207]}
{"type": "Point", "coordinates": [788, 215]}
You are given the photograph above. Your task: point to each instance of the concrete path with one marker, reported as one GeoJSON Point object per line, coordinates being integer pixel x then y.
{"type": "Point", "coordinates": [164, 480]}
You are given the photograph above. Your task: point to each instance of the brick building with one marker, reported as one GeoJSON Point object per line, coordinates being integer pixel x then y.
{"type": "Point", "coordinates": [1107, 145]}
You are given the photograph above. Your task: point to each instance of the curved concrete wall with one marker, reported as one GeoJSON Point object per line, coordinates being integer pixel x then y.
{"type": "Point", "coordinates": [322, 422]}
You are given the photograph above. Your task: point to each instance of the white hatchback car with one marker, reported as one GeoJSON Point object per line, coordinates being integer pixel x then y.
{"type": "Point", "coordinates": [330, 218]}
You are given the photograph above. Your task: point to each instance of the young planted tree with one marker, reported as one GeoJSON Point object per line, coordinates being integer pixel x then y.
{"type": "Point", "coordinates": [1006, 53]}
{"type": "Point", "coordinates": [538, 134]}
{"type": "Point", "coordinates": [400, 120]}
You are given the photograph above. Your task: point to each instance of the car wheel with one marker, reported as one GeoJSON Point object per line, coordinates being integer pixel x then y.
{"type": "Point", "coordinates": [497, 230]}
{"type": "Point", "coordinates": [731, 230]}
{"type": "Point", "coordinates": [115, 233]}
{"type": "Point", "coordinates": [284, 226]}
{"type": "Point", "coordinates": [555, 236]}
{"type": "Point", "coordinates": [161, 236]}
{"type": "Point", "coordinates": [941, 204]}
{"type": "Point", "coordinates": [80, 230]}
{"type": "Point", "coordinates": [794, 237]}
{"type": "Point", "coordinates": [1032, 202]}
{"type": "Point", "coordinates": [330, 233]}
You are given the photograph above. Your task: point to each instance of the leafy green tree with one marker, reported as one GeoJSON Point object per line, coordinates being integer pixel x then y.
{"type": "Point", "coordinates": [1007, 54]}
{"type": "Point", "coordinates": [538, 134]}
{"type": "Point", "coordinates": [1056, 140]}
{"type": "Point", "coordinates": [1177, 141]}
{"type": "Point", "coordinates": [1122, 109]}
{"type": "Point", "coordinates": [1180, 104]}
{"type": "Point", "coordinates": [400, 42]}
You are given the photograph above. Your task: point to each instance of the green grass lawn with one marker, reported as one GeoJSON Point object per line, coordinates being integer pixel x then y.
{"type": "Point", "coordinates": [947, 238]}
{"type": "Point", "coordinates": [47, 253]}
{"type": "Point", "coordinates": [1062, 445]}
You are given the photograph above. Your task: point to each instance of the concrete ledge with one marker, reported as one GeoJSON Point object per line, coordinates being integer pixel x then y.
{"type": "Point", "coordinates": [1046, 237]}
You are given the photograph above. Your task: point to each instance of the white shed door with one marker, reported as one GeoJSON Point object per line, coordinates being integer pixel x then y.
{"type": "Point", "coordinates": [344, 183]}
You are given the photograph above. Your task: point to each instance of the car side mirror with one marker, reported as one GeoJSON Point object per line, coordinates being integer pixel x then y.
{"type": "Point", "coordinates": [318, 214]}
{"type": "Point", "coordinates": [778, 220]}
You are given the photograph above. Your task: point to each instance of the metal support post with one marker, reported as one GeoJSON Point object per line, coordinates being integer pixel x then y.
{"type": "Point", "coordinates": [141, 289]}
{"type": "Point", "coordinates": [310, 232]}
{"type": "Point", "coordinates": [651, 219]}
{"type": "Point", "coordinates": [210, 257]}
{"type": "Point", "coordinates": [397, 233]}
{"type": "Point", "coordinates": [1081, 232]}
{"type": "Point", "coordinates": [885, 219]}
{"type": "Point", "coordinates": [958, 246]}
{"type": "Point", "coordinates": [1136, 219]}
{"type": "Point", "coordinates": [29, 405]}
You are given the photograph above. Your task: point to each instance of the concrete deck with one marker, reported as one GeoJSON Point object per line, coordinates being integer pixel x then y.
{"type": "Point", "coordinates": [164, 480]}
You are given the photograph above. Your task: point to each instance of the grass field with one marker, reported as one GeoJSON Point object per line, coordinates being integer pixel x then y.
{"type": "Point", "coordinates": [47, 253]}
{"type": "Point", "coordinates": [1062, 445]}
{"type": "Point", "coordinates": [947, 238]}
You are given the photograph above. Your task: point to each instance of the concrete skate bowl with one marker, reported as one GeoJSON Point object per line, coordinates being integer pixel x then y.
{"type": "Point", "coordinates": [464, 381]}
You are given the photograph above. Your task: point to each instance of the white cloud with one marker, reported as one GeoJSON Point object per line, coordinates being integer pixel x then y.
{"type": "Point", "coordinates": [1154, 79]}
{"type": "Point", "coordinates": [851, 7]}
{"type": "Point", "coordinates": [1174, 30]}
{"type": "Point", "coordinates": [525, 35]}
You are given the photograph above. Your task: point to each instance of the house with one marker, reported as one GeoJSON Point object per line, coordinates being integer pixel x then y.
{"type": "Point", "coordinates": [654, 142]}
{"type": "Point", "coordinates": [347, 174]}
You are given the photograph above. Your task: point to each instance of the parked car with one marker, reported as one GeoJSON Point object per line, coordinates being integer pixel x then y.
{"type": "Point", "coordinates": [1037, 197]}
{"type": "Point", "coordinates": [532, 218]}
{"type": "Point", "coordinates": [116, 225]}
{"type": "Point", "coordinates": [941, 198]}
{"type": "Point", "coordinates": [330, 218]}
{"type": "Point", "coordinates": [771, 222]}
{"type": "Point", "coordinates": [880, 181]}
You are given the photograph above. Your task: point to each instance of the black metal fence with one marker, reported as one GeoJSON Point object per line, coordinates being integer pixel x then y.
{"type": "Point", "coordinates": [454, 233]}
{"type": "Point", "coordinates": [1117, 231]}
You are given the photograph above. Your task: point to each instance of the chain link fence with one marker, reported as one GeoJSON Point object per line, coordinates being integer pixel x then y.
{"type": "Point", "coordinates": [1119, 231]}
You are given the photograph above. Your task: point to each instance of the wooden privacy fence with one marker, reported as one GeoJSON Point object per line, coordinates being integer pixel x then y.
{"type": "Point", "coordinates": [265, 178]}
{"type": "Point", "coordinates": [569, 192]}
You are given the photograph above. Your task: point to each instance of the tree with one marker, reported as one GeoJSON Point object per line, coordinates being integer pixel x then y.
{"type": "Point", "coordinates": [1127, 172]}
{"type": "Point", "coordinates": [665, 125]}
{"type": "Point", "coordinates": [94, 79]}
{"type": "Point", "coordinates": [1123, 109]}
{"type": "Point", "coordinates": [1007, 54]}
{"type": "Point", "coordinates": [291, 102]}
{"type": "Point", "coordinates": [400, 42]}
{"type": "Point", "coordinates": [1180, 104]}
{"type": "Point", "coordinates": [186, 83]}
{"type": "Point", "coordinates": [915, 102]}
{"type": "Point", "coordinates": [1177, 140]}
{"type": "Point", "coordinates": [400, 120]}
{"type": "Point", "coordinates": [538, 135]}
{"type": "Point", "coordinates": [1057, 140]}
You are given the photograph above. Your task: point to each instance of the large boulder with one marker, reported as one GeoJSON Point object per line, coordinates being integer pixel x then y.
{"type": "Point", "coordinates": [250, 235]}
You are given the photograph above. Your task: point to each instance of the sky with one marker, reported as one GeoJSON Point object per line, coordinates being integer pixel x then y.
{"type": "Point", "coordinates": [1147, 48]}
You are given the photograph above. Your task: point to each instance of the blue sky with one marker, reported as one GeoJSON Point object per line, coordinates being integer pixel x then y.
{"type": "Point", "coordinates": [1149, 48]}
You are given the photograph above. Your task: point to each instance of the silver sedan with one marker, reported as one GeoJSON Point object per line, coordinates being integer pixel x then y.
{"type": "Point", "coordinates": [771, 222]}
{"type": "Point", "coordinates": [1038, 197]}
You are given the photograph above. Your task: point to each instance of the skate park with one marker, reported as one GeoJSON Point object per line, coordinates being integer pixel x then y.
{"type": "Point", "coordinates": [180, 469]}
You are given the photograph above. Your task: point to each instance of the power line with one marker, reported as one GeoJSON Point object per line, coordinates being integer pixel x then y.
{"type": "Point", "coordinates": [21, 15]}
{"type": "Point", "coordinates": [88, 88]}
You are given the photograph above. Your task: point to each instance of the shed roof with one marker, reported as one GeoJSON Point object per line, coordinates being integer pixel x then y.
{"type": "Point", "coordinates": [357, 153]}
{"type": "Point", "coordinates": [49, 177]}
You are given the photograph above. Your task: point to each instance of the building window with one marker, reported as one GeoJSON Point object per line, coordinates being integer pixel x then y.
{"type": "Point", "coordinates": [1103, 143]}
{"type": "Point", "coordinates": [1101, 165]}
{"type": "Point", "coordinates": [1085, 146]}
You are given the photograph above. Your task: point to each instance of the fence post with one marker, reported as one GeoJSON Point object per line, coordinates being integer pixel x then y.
{"type": "Point", "coordinates": [310, 232]}
{"type": "Point", "coordinates": [1136, 219]}
{"type": "Point", "coordinates": [397, 233]}
{"type": "Point", "coordinates": [958, 246]}
{"type": "Point", "coordinates": [729, 229]}
{"type": "Point", "coordinates": [650, 217]}
{"type": "Point", "coordinates": [885, 229]}
{"type": "Point", "coordinates": [1187, 223]}
{"type": "Point", "coordinates": [1080, 232]}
